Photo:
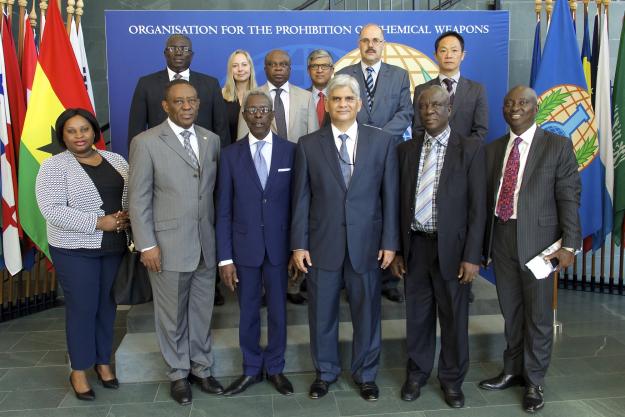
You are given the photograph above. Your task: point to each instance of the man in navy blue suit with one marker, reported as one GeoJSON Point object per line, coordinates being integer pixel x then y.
{"type": "Point", "coordinates": [253, 215]}
{"type": "Point", "coordinates": [344, 228]}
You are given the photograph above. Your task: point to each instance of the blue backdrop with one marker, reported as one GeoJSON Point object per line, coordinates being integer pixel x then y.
{"type": "Point", "coordinates": [136, 39]}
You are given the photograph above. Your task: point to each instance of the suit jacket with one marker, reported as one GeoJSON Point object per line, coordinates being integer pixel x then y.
{"type": "Point", "coordinates": [392, 110]}
{"type": "Point", "coordinates": [171, 203]}
{"type": "Point", "coordinates": [469, 113]}
{"type": "Point", "coordinates": [146, 110]}
{"type": "Point", "coordinates": [302, 116]}
{"type": "Point", "coordinates": [460, 200]}
{"type": "Point", "coordinates": [250, 220]}
{"type": "Point", "coordinates": [327, 217]}
{"type": "Point", "coordinates": [548, 203]}
{"type": "Point", "coordinates": [326, 116]}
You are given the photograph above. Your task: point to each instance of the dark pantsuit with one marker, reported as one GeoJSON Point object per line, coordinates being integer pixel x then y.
{"type": "Point", "coordinates": [526, 305]}
{"type": "Point", "coordinates": [86, 277]}
{"type": "Point", "coordinates": [363, 293]}
{"type": "Point", "coordinates": [427, 292]}
{"type": "Point", "coordinates": [252, 280]}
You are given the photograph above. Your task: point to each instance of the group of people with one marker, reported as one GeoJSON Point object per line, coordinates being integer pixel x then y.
{"type": "Point", "coordinates": [319, 184]}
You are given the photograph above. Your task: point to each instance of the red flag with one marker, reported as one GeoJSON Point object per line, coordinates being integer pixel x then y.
{"type": "Point", "coordinates": [29, 58]}
{"type": "Point", "coordinates": [14, 86]}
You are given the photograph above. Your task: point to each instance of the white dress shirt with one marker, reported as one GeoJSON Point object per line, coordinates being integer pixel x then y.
{"type": "Point", "coordinates": [524, 148]}
{"type": "Point", "coordinates": [184, 74]}
{"type": "Point", "coordinates": [376, 71]}
{"type": "Point", "coordinates": [192, 139]}
{"type": "Point", "coordinates": [455, 78]}
{"type": "Point", "coordinates": [315, 94]}
{"type": "Point", "coordinates": [285, 100]}
{"type": "Point", "coordinates": [350, 142]}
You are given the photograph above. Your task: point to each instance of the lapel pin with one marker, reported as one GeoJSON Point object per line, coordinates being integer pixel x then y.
{"type": "Point", "coordinates": [204, 137]}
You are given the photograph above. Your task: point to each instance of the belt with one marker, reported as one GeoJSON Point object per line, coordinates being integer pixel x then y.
{"type": "Point", "coordinates": [426, 235]}
{"type": "Point", "coordinates": [509, 222]}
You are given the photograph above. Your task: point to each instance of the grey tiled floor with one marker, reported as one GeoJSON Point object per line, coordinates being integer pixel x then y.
{"type": "Point", "coordinates": [586, 378]}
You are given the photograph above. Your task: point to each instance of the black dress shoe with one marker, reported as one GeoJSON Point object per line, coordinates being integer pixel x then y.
{"type": "Point", "coordinates": [83, 396]}
{"type": "Point", "coordinates": [111, 383]}
{"type": "Point", "coordinates": [242, 383]}
{"type": "Point", "coordinates": [219, 298]}
{"type": "Point", "coordinates": [180, 391]}
{"type": "Point", "coordinates": [319, 388]}
{"type": "Point", "coordinates": [533, 398]}
{"type": "Point", "coordinates": [369, 391]}
{"type": "Point", "coordinates": [296, 298]}
{"type": "Point", "coordinates": [393, 295]}
{"type": "Point", "coordinates": [454, 398]}
{"type": "Point", "coordinates": [502, 381]}
{"type": "Point", "coordinates": [208, 385]}
{"type": "Point", "coordinates": [410, 391]}
{"type": "Point", "coordinates": [281, 383]}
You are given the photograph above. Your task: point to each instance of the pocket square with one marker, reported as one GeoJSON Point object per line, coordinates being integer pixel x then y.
{"type": "Point", "coordinates": [283, 169]}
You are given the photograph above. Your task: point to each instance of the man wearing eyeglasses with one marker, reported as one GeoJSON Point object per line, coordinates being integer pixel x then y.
{"type": "Point", "coordinates": [253, 216]}
{"type": "Point", "coordinates": [385, 94]}
{"type": "Point", "coordinates": [344, 229]}
{"type": "Point", "coordinates": [320, 70]}
{"type": "Point", "coordinates": [146, 110]}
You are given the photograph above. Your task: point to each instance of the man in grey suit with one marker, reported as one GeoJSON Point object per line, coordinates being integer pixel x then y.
{"type": "Point", "coordinates": [533, 190]}
{"type": "Point", "coordinates": [172, 178]}
{"type": "Point", "coordinates": [385, 94]}
{"type": "Point", "coordinates": [469, 105]}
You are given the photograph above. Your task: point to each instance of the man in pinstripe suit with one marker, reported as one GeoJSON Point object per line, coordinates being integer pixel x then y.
{"type": "Point", "coordinates": [533, 194]}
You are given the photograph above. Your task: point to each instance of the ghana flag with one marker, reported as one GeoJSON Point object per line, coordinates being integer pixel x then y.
{"type": "Point", "coordinates": [58, 85]}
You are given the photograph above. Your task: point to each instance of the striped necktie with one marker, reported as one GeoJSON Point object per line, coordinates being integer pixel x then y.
{"type": "Point", "coordinates": [346, 169]}
{"type": "Point", "coordinates": [369, 87]}
{"type": "Point", "coordinates": [449, 84]}
{"type": "Point", "coordinates": [177, 76]}
{"type": "Point", "coordinates": [186, 134]}
{"type": "Point", "coordinates": [425, 193]}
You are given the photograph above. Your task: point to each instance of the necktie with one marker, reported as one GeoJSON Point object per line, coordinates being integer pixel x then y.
{"type": "Point", "coordinates": [505, 204]}
{"type": "Point", "coordinates": [321, 111]}
{"type": "Point", "coordinates": [449, 83]}
{"type": "Point", "coordinates": [346, 169]}
{"type": "Point", "coordinates": [187, 147]}
{"type": "Point", "coordinates": [177, 76]}
{"type": "Point", "coordinates": [278, 108]}
{"type": "Point", "coordinates": [425, 193]}
{"type": "Point", "coordinates": [260, 163]}
{"type": "Point", "coordinates": [370, 87]}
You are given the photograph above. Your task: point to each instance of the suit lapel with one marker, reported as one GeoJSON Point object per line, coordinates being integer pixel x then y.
{"type": "Point", "coordinates": [380, 87]}
{"type": "Point", "coordinates": [458, 97]}
{"type": "Point", "coordinates": [536, 150]}
{"type": "Point", "coordinates": [202, 146]}
{"type": "Point", "coordinates": [293, 104]}
{"type": "Point", "coordinates": [412, 163]}
{"type": "Point", "coordinates": [358, 75]}
{"type": "Point", "coordinates": [497, 172]}
{"type": "Point", "coordinates": [362, 154]}
{"type": "Point", "coordinates": [331, 153]}
{"type": "Point", "coordinates": [451, 162]}
{"type": "Point", "coordinates": [276, 162]}
{"type": "Point", "coordinates": [168, 136]}
{"type": "Point", "coordinates": [245, 159]}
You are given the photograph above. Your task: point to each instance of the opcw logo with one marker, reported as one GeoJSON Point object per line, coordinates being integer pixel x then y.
{"type": "Point", "coordinates": [566, 110]}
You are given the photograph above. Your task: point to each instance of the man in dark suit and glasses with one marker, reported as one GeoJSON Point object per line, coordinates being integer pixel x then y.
{"type": "Point", "coordinates": [443, 215]}
{"type": "Point", "coordinates": [533, 190]}
{"type": "Point", "coordinates": [320, 70]}
{"type": "Point", "coordinates": [344, 228]}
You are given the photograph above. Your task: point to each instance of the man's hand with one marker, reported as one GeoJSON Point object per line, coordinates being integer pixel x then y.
{"type": "Point", "coordinates": [467, 272]}
{"type": "Point", "coordinates": [398, 267]}
{"type": "Point", "coordinates": [386, 257]}
{"type": "Point", "coordinates": [301, 259]}
{"type": "Point", "coordinates": [228, 274]}
{"type": "Point", "coordinates": [293, 272]}
{"type": "Point", "coordinates": [151, 258]}
{"type": "Point", "coordinates": [565, 258]}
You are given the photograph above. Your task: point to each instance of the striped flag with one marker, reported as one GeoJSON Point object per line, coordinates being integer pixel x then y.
{"type": "Point", "coordinates": [57, 86]}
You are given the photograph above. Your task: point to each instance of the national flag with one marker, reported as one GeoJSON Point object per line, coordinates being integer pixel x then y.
{"type": "Point", "coordinates": [10, 232]}
{"type": "Point", "coordinates": [594, 59]}
{"type": "Point", "coordinates": [586, 53]}
{"type": "Point", "coordinates": [565, 108]}
{"type": "Point", "coordinates": [29, 58]}
{"type": "Point", "coordinates": [536, 54]}
{"type": "Point", "coordinates": [618, 141]}
{"type": "Point", "coordinates": [603, 112]}
{"type": "Point", "coordinates": [57, 86]}
{"type": "Point", "coordinates": [15, 90]}
{"type": "Point", "coordinates": [84, 64]}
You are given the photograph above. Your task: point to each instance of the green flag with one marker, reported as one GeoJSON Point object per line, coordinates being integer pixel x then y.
{"type": "Point", "coordinates": [618, 141]}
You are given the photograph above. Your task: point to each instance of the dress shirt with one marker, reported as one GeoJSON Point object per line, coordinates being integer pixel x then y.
{"type": "Point", "coordinates": [524, 148]}
{"type": "Point", "coordinates": [285, 100]}
{"type": "Point", "coordinates": [454, 86]}
{"type": "Point", "coordinates": [376, 71]}
{"type": "Point", "coordinates": [315, 94]}
{"type": "Point", "coordinates": [440, 142]}
{"type": "Point", "coordinates": [184, 74]}
{"type": "Point", "coordinates": [350, 142]}
{"type": "Point", "coordinates": [192, 139]}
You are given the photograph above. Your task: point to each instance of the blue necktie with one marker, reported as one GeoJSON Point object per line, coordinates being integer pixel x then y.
{"type": "Point", "coordinates": [260, 163]}
{"type": "Point", "coordinates": [370, 87]}
{"type": "Point", "coordinates": [346, 169]}
{"type": "Point", "coordinates": [187, 147]}
{"type": "Point", "coordinates": [425, 193]}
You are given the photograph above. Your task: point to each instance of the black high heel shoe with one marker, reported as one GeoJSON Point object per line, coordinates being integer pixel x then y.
{"type": "Point", "coordinates": [84, 396]}
{"type": "Point", "coordinates": [111, 383]}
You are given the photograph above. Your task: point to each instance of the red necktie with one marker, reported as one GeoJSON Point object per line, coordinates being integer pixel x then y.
{"type": "Point", "coordinates": [505, 205]}
{"type": "Point", "coordinates": [321, 110]}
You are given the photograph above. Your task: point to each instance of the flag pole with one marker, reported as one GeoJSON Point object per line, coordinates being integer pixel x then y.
{"type": "Point", "coordinates": [70, 14]}
{"type": "Point", "coordinates": [20, 36]}
{"type": "Point", "coordinates": [43, 6]}
{"type": "Point", "coordinates": [549, 8]}
{"type": "Point", "coordinates": [80, 5]}
{"type": "Point", "coordinates": [32, 16]}
{"type": "Point", "coordinates": [573, 7]}
{"type": "Point", "coordinates": [538, 6]}
{"type": "Point", "coordinates": [2, 3]}
{"type": "Point", "coordinates": [10, 9]}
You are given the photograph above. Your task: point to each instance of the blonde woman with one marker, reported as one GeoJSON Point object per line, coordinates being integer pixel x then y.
{"type": "Point", "coordinates": [240, 79]}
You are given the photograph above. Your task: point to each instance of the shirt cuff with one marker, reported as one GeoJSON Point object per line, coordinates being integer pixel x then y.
{"type": "Point", "coordinates": [225, 262]}
{"type": "Point", "coordinates": [148, 248]}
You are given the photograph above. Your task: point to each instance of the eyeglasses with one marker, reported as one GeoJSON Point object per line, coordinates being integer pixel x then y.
{"type": "Point", "coordinates": [174, 49]}
{"type": "Point", "coordinates": [322, 67]}
{"type": "Point", "coordinates": [254, 110]}
{"type": "Point", "coordinates": [374, 41]}
{"type": "Point", "coordinates": [278, 64]}
{"type": "Point", "coordinates": [179, 102]}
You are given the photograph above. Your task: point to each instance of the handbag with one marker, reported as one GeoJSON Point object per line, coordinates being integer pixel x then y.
{"type": "Point", "coordinates": [132, 284]}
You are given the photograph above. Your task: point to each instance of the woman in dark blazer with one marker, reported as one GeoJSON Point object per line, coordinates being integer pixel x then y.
{"type": "Point", "coordinates": [240, 79]}
{"type": "Point", "coordinates": [82, 194]}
